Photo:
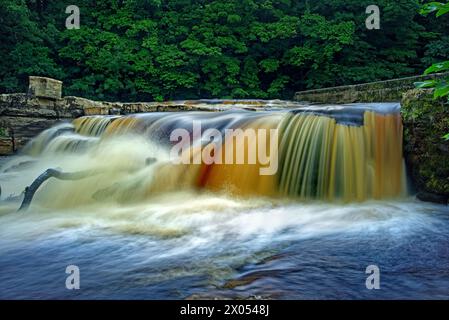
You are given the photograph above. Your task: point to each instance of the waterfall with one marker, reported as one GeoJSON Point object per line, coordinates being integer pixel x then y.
{"type": "Point", "coordinates": [348, 153]}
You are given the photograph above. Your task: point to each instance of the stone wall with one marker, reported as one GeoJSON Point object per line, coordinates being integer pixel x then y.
{"type": "Point", "coordinates": [25, 115]}
{"type": "Point", "coordinates": [381, 91]}
{"type": "Point", "coordinates": [427, 154]}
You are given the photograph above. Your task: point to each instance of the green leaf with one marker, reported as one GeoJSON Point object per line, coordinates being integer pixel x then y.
{"type": "Point", "coordinates": [438, 7]}
{"type": "Point", "coordinates": [269, 65]}
{"type": "Point", "coordinates": [426, 84]}
{"type": "Point", "coordinates": [429, 8]}
{"type": "Point", "coordinates": [446, 137]}
{"type": "Point", "coordinates": [437, 67]}
{"type": "Point", "coordinates": [442, 11]}
{"type": "Point", "coordinates": [441, 91]}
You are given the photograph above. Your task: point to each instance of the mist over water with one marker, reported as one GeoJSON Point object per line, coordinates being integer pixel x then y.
{"type": "Point", "coordinates": [184, 245]}
{"type": "Point", "coordinates": [151, 229]}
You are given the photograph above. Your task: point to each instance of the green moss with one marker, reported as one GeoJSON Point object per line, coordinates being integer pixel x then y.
{"type": "Point", "coordinates": [3, 132]}
{"type": "Point", "coordinates": [425, 122]}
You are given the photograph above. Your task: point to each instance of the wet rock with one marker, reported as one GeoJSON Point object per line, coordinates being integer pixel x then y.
{"type": "Point", "coordinates": [115, 111]}
{"type": "Point", "coordinates": [249, 278]}
{"type": "Point", "coordinates": [6, 145]}
{"type": "Point", "coordinates": [82, 106]}
{"type": "Point", "coordinates": [426, 153]}
{"type": "Point", "coordinates": [91, 111]}
{"type": "Point", "coordinates": [433, 197]}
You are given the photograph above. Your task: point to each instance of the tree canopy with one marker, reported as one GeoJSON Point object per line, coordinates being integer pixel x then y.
{"type": "Point", "coordinates": [133, 50]}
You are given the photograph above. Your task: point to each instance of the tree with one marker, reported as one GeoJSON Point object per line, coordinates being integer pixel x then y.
{"type": "Point", "coordinates": [24, 50]}
{"type": "Point", "coordinates": [187, 49]}
{"type": "Point", "coordinates": [441, 86]}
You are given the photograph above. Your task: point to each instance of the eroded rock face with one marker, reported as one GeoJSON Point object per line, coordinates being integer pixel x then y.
{"type": "Point", "coordinates": [426, 152]}
{"type": "Point", "coordinates": [23, 116]}
{"type": "Point", "coordinates": [6, 145]}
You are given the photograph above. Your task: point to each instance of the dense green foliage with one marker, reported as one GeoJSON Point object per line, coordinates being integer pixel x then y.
{"type": "Point", "coordinates": [441, 86]}
{"type": "Point", "coordinates": [183, 49]}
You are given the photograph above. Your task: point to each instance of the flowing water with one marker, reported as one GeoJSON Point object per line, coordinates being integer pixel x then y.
{"type": "Point", "coordinates": [142, 226]}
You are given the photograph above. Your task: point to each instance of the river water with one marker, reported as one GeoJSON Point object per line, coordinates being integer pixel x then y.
{"type": "Point", "coordinates": [140, 229]}
{"type": "Point", "coordinates": [206, 246]}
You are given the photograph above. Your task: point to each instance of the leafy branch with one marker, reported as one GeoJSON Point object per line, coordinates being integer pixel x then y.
{"type": "Point", "coordinates": [431, 7]}
{"type": "Point", "coordinates": [441, 86]}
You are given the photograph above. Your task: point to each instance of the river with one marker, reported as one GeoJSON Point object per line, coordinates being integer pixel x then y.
{"type": "Point", "coordinates": [141, 227]}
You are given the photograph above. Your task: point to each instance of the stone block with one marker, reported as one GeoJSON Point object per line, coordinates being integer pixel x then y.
{"type": "Point", "coordinates": [46, 88]}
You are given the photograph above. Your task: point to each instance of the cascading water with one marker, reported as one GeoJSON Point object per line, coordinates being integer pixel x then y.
{"type": "Point", "coordinates": [351, 153]}
{"type": "Point", "coordinates": [147, 225]}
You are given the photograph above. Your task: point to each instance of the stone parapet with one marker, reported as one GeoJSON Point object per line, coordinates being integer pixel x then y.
{"type": "Point", "coordinates": [381, 91]}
